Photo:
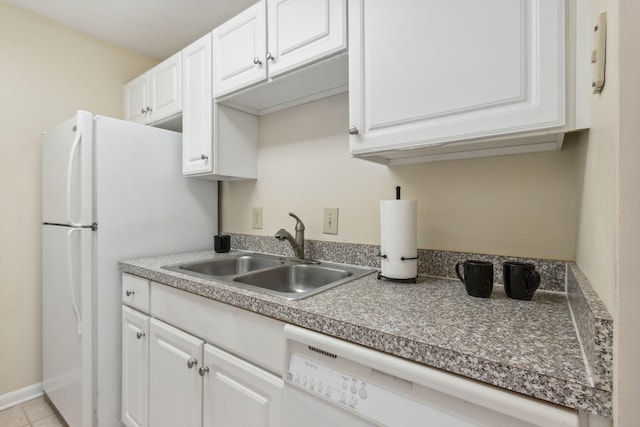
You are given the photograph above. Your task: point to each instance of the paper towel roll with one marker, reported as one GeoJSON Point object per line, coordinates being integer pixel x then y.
{"type": "Point", "coordinates": [398, 238]}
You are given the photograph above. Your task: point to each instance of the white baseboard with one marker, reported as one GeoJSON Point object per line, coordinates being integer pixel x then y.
{"type": "Point", "coordinates": [17, 397]}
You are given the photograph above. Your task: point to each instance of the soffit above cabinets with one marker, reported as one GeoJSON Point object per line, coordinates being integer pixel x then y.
{"type": "Point", "coordinates": [156, 28]}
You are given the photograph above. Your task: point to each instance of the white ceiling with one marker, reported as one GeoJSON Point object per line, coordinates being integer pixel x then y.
{"type": "Point", "coordinates": [156, 28]}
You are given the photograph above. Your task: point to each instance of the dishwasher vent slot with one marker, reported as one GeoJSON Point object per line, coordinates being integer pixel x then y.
{"type": "Point", "coordinates": [322, 352]}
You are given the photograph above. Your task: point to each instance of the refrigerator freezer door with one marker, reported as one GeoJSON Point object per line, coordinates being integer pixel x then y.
{"type": "Point", "coordinates": [67, 157]}
{"type": "Point", "coordinates": [67, 321]}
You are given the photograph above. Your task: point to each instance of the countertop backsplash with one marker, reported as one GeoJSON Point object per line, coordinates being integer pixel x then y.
{"type": "Point", "coordinates": [430, 262]}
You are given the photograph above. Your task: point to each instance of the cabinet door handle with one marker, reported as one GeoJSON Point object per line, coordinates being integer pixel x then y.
{"type": "Point", "coordinates": [191, 363]}
{"type": "Point", "coordinates": [140, 334]}
{"type": "Point", "coordinates": [143, 111]}
{"type": "Point", "coordinates": [129, 293]}
{"type": "Point", "coordinates": [257, 61]}
{"type": "Point", "coordinates": [353, 130]}
{"type": "Point", "coordinates": [270, 57]}
{"type": "Point", "coordinates": [203, 371]}
{"type": "Point", "coordinates": [203, 157]}
{"type": "Point", "coordinates": [149, 109]}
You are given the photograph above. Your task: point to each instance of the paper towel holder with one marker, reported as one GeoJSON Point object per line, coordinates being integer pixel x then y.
{"type": "Point", "coordinates": [402, 258]}
{"type": "Point", "coordinates": [391, 279]}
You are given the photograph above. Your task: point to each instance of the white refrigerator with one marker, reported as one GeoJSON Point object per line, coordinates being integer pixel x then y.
{"type": "Point", "coordinates": [112, 190]}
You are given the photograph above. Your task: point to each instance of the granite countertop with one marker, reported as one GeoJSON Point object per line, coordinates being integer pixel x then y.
{"type": "Point", "coordinates": [530, 347]}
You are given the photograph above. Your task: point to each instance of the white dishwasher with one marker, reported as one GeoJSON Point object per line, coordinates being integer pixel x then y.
{"type": "Point", "coordinates": [330, 382]}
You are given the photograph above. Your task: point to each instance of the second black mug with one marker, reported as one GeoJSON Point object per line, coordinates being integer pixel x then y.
{"type": "Point", "coordinates": [478, 277]}
{"type": "Point", "coordinates": [520, 280]}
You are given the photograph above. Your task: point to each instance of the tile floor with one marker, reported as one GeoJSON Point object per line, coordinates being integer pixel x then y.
{"type": "Point", "coordinates": [37, 413]}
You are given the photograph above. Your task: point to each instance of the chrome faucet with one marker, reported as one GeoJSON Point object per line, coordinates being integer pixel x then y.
{"type": "Point", "coordinates": [298, 243]}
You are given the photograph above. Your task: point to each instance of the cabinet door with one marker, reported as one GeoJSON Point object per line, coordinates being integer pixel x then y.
{"type": "Point", "coordinates": [304, 31]}
{"type": "Point", "coordinates": [237, 393]}
{"type": "Point", "coordinates": [239, 49]}
{"type": "Point", "coordinates": [135, 368]}
{"type": "Point", "coordinates": [430, 72]}
{"type": "Point", "coordinates": [165, 88]}
{"type": "Point", "coordinates": [136, 94]}
{"type": "Point", "coordinates": [175, 387]}
{"type": "Point", "coordinates": [196, 116]}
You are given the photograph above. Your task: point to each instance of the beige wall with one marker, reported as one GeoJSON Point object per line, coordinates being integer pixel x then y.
{"type": "Point", "coordinates": [626, 342]}
{"type": "Point", "coordinates": [579, 203]}
{"type": "Point", "coordinates": [523, 205]}
{"type": "Point", "coordinates": [47, 73]}
{"type": "Point", "coordinates": [596, 252]}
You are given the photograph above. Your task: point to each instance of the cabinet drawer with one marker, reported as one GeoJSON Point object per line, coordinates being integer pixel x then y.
{"type": "Point", "coordinates": [135, 292]}
{"type": "Point", "coordinates": [253, 337]}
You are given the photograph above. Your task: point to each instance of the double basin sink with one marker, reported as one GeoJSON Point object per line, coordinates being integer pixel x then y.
{"type": "Point", "coordinates": [286, 278]}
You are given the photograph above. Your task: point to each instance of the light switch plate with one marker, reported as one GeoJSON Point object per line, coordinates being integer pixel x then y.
{"type": "Point", "coordinates": [330, 221]}
{"type": "Point", "coordinates": [598, 56]}
{"type": "Point", "coordinates": [256, 217]}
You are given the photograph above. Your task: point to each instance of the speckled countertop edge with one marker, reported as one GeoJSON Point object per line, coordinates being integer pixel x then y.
{"type": "Point", "coordinates": [569, 390]}
{"type": "Point", "coordinates": [594, 326]}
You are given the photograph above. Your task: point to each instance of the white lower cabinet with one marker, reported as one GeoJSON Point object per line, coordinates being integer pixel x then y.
{"type": "Point", "coordinates": [175, 386]}
{"type": "Point", "coordinates": [237, 393]}
{"type": "Point", "coordinates": [135, 372]}
{"type": "Point", "coordinates": [174, 378]}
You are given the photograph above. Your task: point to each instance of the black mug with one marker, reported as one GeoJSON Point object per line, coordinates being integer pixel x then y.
{"type": "Point", "coordinates": [222, 243]}
{"type": "Point", "coordinates": [520, 280]}
{"type": "Point", "coordinates": [478, 277]}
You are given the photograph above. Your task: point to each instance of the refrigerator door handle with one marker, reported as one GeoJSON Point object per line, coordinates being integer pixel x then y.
{"type": "Point", "coordinates": [72, 155]}
{"type": "Point", "coordinates": [71, 281]}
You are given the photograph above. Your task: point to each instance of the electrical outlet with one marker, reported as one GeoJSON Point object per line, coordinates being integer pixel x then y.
{"type": "Point", "coordinates": [256, 218]}
{"type": "Point", "coordinates": [330, 221]}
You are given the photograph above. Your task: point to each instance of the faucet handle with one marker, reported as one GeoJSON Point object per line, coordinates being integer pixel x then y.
{"type": "Point", "coordinates": [299, 223]}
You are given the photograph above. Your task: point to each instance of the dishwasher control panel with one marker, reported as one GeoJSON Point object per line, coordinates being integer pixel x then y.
{"type": "Point", "coordinates": [333, 385]}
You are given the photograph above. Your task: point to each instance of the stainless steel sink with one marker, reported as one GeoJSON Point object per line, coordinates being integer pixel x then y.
{"type": "Point", "coordinates": [294, 279]}
{"type": "Point", "coordinates": [285, 278]}
{"type": "Point", "coordinates": [229, 266]}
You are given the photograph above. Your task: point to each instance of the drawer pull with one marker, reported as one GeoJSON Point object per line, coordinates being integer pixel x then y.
{"type": "Point", "coordinates": [129, 293]}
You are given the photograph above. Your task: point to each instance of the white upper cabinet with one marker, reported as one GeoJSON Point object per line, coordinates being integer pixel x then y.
{"type": "Point", "coordinates": [273, 38]}
{"type": "Point", "coordinates": [303, 31]}
{"type": "Point", "coordinates": [136, 99]}
{"type": "Point", "coordinates": [196, 116]}
{"type": "Point", "coordinates": [156, 95]}
{"type": "Point", "coordinates": [239, 49]}
{"type": "Point", "coordinates": [218, 142]}
{"type": "Point", "coordinates": [433, 80]}
{"type": "Point", "coordinates": [165, 88]}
